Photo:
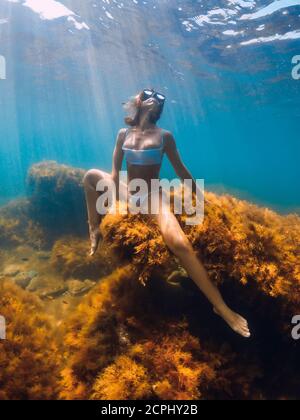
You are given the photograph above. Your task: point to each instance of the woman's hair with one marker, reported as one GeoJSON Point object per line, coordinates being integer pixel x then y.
{"type": "Point", "coordinates": [133, 110]}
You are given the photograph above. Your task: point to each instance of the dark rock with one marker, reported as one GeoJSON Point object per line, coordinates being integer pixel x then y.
{"type": "Point", "coordinates": [23, 279]}
{"type": "Point", "coordinates": [11, 270]}
{"type": "Point", "coordinates": [57, 198]}
{"type": "Point", "coordinates": [77, 288]}
{"type": "Point", "coordinates": [53, 293]}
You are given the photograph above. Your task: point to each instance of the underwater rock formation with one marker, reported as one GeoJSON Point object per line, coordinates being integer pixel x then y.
{"type": "Point", "coordinates": [250, 252]}
{"type": "Point", "coordinates": [29, 357]}
{"type": "Point", "coordinates": [55, 206]}
{"type": "Point", "coordinates": [144, 330]}
{"type": "Point", "coordinates": [17, 227]}
{"type": "Point", "coordinates": [238, 242]}
{"type": "Point", "coordinates": [57, 198]}
{"type": "Point", "coordinates": [128, 341]}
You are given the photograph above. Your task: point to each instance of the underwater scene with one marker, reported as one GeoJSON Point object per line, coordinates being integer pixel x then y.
{"type": "Point", "coordinates": [130, 306]}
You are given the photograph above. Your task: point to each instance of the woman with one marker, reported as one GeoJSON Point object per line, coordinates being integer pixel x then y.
{"type": "Point", "coordinates": [144, 145]}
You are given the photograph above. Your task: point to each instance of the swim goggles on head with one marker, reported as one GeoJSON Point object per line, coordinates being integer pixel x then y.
{"type": "Point", "coordinates": [150, 93]}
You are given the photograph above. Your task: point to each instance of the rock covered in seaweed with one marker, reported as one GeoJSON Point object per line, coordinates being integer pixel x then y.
{"type": "Point", "coordinates": [29, 356]}
{"type": "Point", "coordinates": [158, 358]}
{"type": "Point", "coordinates": [69, 257]}
{"type": "Point", "coordinates": [55, 206]}
{"type": "Point", "coordinates": [250, 252]}
{"type": "Point", "coordinates": [57, 197]}
{"type": "Point", "coordinates": [17, 228]}
{"type": "Point", "coordinates": [145, 331]}
{"type": "Point", "coordinates": [238, 242]}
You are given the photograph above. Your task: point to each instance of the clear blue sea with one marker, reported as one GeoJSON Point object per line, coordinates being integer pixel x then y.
{"type": "Point", "coordinates": [225, 66]}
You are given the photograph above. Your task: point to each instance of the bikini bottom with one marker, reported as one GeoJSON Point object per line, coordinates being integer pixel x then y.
{"type": "Point", "coordinates": [145, 202]}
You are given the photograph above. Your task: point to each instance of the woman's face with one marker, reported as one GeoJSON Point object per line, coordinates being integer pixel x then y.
{"type": "Point", "coordinates": [149, 105]}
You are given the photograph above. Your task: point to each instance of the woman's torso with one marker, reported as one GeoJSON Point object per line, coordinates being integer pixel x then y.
{"type": "Point", "coordinates": [146, 150]}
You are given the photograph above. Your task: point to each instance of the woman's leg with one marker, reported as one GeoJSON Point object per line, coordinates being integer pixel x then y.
{"type": "Point", "coordinates": [179, 244]}
{"type": "Point", "coordinates": [90, 181]}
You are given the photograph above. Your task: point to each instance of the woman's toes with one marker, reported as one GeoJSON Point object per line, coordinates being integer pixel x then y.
{"type": "Point", "coordinates": [236, 322]}
{"type": "Point", "coordinates": [246, 332]}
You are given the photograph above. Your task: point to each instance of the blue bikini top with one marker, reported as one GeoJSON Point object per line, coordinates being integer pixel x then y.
{"type": "Point", "coordinates": [144, 157]}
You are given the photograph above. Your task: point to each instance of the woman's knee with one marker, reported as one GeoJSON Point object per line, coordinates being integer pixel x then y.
{"type": "Point", "coordinates": [91, 178]}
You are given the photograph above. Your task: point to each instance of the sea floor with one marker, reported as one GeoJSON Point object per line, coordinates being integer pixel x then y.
{"type": "Point", "coordinates": [32, 271]}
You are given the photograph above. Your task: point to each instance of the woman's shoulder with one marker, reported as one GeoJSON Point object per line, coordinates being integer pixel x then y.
{"type": "Point", "coordinates": [166, 133]}
{"type": "Point", "coordinates": [121, 136]}
{"type": "Point", "coordinates": [122, 133]}
{"type": "Point", "coordinates": [123, 130]}
{"type": "Point", "coordinates": [167, 136]}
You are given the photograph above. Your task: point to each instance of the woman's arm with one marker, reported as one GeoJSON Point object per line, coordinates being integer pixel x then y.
{"type": "Point", "coordinates": [118, 158]}
{"type": "Point", "coordinates": [173, 154]}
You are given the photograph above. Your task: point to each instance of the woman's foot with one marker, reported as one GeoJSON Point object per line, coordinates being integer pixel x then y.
{"type": "Point", "coordinates": [236, 322]}
{"type": "Point", "coordinates": [95, 237]}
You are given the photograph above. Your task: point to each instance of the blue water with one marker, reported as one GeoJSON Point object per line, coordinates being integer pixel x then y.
{"type": "Point", "coordinates": [225, 66]}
